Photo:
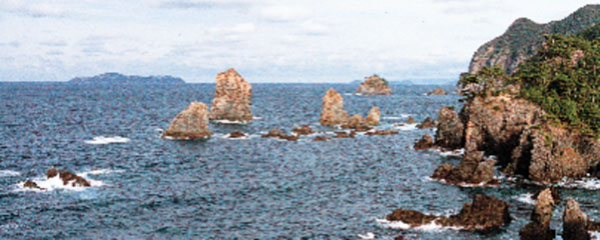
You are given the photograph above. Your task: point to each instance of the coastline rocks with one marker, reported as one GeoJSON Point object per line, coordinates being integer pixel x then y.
{"type": "Point", "coordinates": [483, 214]}
{"type": "Point", "coordinates": [333, 112]}
{"type": "Point", "coordinates": [191, 123]}
{"type": "Point", "coordinates": [450, 129]}
{"type": "Point", "coordinates": [539, 227]}
{"type": "Point", "coordinates": [304, 130]}
{"type": "Point", "coordinates": [32, 185]}
{"type": "Point", "coordinates": [374, 85]}
{"type": "Point", "coordinates": [279, 134]}
{"type": "Point", "coordinates": [357, 123]}
{"type": "Point", "coordinates": [345, 134]}
{"type": "Point", "coordinates": [437, 91]}
{"type": "Point", "coordinates": [382, 132]}
{"type": "Point", "coordinates": [237, 135]}
{"type": "Point", "coordinates": [410, 120]}
{"type": "Point", "coordinates": [426, 142]}
{"type": "Point", "coordinates": [232, 99]}
{"type": "Point", "coordinates": [427, 123]}
{"type": "Point", "coordinates": [574, 222]}
{"type": "Point", "coordinates": [374, 116]}
{"type": "Point", "coordinates": [68, 177]}
{"type": "Point", "coordinates": [473, 169]}
{"type": "Point", "coordinates": [321, 138]}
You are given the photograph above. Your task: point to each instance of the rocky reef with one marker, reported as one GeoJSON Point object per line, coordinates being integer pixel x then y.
{"type": "Point", "coordinates": [374, 85]}
{"type": "Point", "coordinates": [68, 178]}
{"type": "Point", "coordinates": [437, 91]}
{"type": "Point", "coordinates": [483, 214]}
{"type": "Point", "coordinates": [333, 112]}
{"type": "Point", "coordinates": [524, 37]}
{"type": "Point", "coordinates": [191, 123]}
{"type": "Point", "coordinates": [232, 101]}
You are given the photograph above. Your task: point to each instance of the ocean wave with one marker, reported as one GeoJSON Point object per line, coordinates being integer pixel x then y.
{"type": "Point", "coordinates": [367, 236]}
{"type": "Point", "coordinates": [224, 121]}
{"type": "Point", "coordinates": [585, 183]}
{"type": "Point", "coordinates": [392, 117]}
{"type": "Point", "coordinates": [406, 127]}
{"type": "Point", "coordinates": [56, 183]}
{"type": "Point", "coordinates": [9, 173]}
{"type": "Point", "coordinates": [526, 198]}
{"type": "Point", "coordinates": [430, 227]}
{"type": "Point", "coordinates": [107, 140]}
{"type": "Point", "coordinates": [453, 153]}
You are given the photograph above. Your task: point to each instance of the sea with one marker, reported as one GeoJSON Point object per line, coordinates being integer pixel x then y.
{"type": "Point", "coordinates": [146, 187]}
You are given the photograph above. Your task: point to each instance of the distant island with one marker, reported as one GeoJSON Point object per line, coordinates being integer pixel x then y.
{"type": "Point", "coordinates": [112, 77]}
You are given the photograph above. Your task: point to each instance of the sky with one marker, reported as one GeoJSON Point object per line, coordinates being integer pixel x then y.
{"type": "Point", "coordinates": [265, 41]}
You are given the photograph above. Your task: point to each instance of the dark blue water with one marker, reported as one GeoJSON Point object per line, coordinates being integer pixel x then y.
{"type": "Point", "coordinates": [221, 188]}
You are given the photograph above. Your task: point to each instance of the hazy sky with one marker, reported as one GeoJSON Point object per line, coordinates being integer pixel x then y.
{"type": "Point", "coordinates": [266, 41]}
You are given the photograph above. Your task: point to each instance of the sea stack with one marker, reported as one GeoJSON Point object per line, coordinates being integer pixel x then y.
{"type": "Point", "coordinates": [232, 98]}
{"type": "Point", "coordinates": [333, 112]}
{"type": "Point", "coordinates": [374, 85]}
{"type": "Point", "coordinates": [374, 116]}
{"type": "Point", "coordinates": [539, 227]}
{"type": "Point", "coordinates": [191, 123]}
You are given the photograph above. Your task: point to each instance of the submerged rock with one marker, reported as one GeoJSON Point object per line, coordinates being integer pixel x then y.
{"type": "Point", "coordinates": [32, 185]}
{"type": "Point", "coordinates": [374, 85]}
{"type": "Point", "coordinates": [304, 130]}
{"type": "Point", "coordinates": [237, 135]}
{"type": "Point", "coordinates": [191, 123]}
{"type": "Point", "coordinates": [426, 142]}
{"type": "Point", "coordinates": [574, 222]}
{"type": "Point", "coordinates": [427, 123]}
{"type": "Point", "coordinates": [232, 100]}
{"type": "Point", "coordinates": [344, 134]}
{"type": "Point", "coordinates": [321, 138]}
{"type": "Point", "coordinates": [333, 112]}
{"type": "Point", "coordinates": [437, 91]}
{"type": "Point", "coordinates": [279, 134]}
{"type": "Point", "coordinates": [484, 214]}
{"type": "Point", "coordinates": [539, 227]}
{"type": "Point", "coordinates": [68, 177]}
{"type": "Point", "coordinates": [374, 116]}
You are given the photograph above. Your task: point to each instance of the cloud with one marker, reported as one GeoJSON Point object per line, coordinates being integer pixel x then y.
{"type": "Point", "coordinates": [312, 28]}
{"type": "Point", "coordinates": [203, 4]}
{"type": "Point", "coordinates": [283, 13]}
{"type": "Point", "coordinates": [241, 28]}
{"type": "Point", "coordinates": [35, 10]}
{"type": "Point", "coordinates": [57, 43]}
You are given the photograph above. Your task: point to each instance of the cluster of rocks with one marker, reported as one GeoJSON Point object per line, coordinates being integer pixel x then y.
{"type": "Point", "coordinates": [333, 113]}
{"type": "Point", "coordinates": [374, 85]}
{"type": "Point", "coordinates": [68, 178]}
{"type": "Point", "coordinates": [280, 134]}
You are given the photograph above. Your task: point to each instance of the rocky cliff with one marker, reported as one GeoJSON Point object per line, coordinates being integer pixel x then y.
{"type": "Point", "coordinates": [524, 37]}
{"type": "Point", "coordinates": [232, 100]}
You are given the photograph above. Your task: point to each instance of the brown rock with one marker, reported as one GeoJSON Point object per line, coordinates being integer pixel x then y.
{"type": "Point", "coordinates": [437, 91]}
{"type": "Point", "coordinates": [382, 132]}
{"type": "Point", "coordinates": [344, 134]}
{"type": "Point", "coordinates": [472, 169]}
{"type": "Point", "coordinates": [32, 185]}
{"type": "Point", "coordinates": [411, 217]}
{"type": "Point", "coordinates": [442, 171]}
{"type": "Point", "coordinates": [304, 130]}
{"type": "Point", "coordinates": [66, 176]}
{"type": "Point", "coordinates": [333, 112]}
{"type": "Point", "coordinates": [374, 116]}
{"type": "Point", "coordinates": [357, 123]}
{"type": "Point", "coordinates": [321, 138]}
{"type": "Point", "coordinates": [450, 129]}
{"type": "Point", "coordinates": [410, 120]}
{"type": "Point", "coordinates": [191, 123]}
{"type": "Point", "coordinates": [232, 100]}
{"type": "Point", "coordinates": [237, 135]}
{"type": "Point", "coordinates": [274, 133]}
{"type": "Point", "coordinates": [426, 142]}
{"type": "Point", "coordinates": [374, 85]}
{"type": "Point", "coordinates": [539, 227]}
{"type": "Point", "coordinates": [427, 123]}
{"type": "Point", "coordinates": [574, 222]}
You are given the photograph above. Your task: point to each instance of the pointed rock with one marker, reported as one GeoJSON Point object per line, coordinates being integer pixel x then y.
{"type": "Point", "coordinates": [333, 112]}
{"type": "Point", "coordinates": [374, 116]}
{"type": "Point", "coordinates": [191, 123]}
{"type": "Point", "coordinates": [539, 227]}
{"type": "Point", "coordinates": [232, 100]}
{"type": "Point", "coordinates": [374, 85]}
{"type": "Point", "coordinates": [426, 142]}
{"type": "Point", "coordinates": [427, 123]}
{"type": "Point", "coordinates": [574, 222]}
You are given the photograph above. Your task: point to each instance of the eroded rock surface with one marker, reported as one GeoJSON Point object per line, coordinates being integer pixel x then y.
{"type": "Point", "coordinates": [68, 177]}
{"type": "Point", "coordinates": [450, 129]}
{"type": "Point", "coordinates": [473, 169]}
{"type": "Point", "coordinates": [279, 134]}
{"type": "Point", "coordinates": [374, 116]}
{"type": "Point", "coordinates": [575, 222]}
{"type": "Point", "coordinates": [332, 112]}
{"type": "Point", "coordinates": [437, 91]}
{"type": "Point", "coordinates": [232, 101]}
{"type": "Point", "coordinates": [191, 123]}
{"type": "Point", "coordinates": [427, 123]}
{"type": "Point", "coordinates": [426, 142]}
{"type": "Point", "coordinates": [539, 227]}
{"type": "Point", "coordinates": [303, 130]}
{"type": "Point", "coordinates": [357, 123]}
{"type": "Point", "coordinates": [374, 85]}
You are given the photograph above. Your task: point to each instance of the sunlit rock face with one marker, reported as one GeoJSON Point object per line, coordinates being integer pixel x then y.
{"type": "Point", "coordinates": [232, 100]}
{"type": "Point", "coordinates": [333, 112]}
{"type": "Point", "coordinates": [374, 85]}
{"type": "Point", "coordinates": [191, 123]}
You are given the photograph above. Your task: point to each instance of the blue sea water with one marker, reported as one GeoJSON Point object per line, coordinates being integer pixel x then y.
{"type": "Point", "coordinates": [254, 188]}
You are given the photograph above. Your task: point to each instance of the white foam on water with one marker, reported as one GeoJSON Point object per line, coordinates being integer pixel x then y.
{"type": "Point", "coordinates": [594, 235]}
{"type": "Point", "coordinates": [526, 198]}
{"type": "Point", "coordinates": [225, 121]}
{"type": "Point", "coordinates": [367, 236]}
{"type": "Point", "coordinates": [9, 173]}
{"type": "Point", "coordinates": [407, 127]}
{"type": "Point", "coordinates": [392, 117]}
{"type": "Point", "coordinates": [430, 227]}
{"type": "Point", "coordinates": [453, 153]}
{"type": "Point", "coordinates": [404, 115]}
{"type": "Point", "coordinates": [107, 140]}
{"type": "Point", "coordinates": [256, 118]}
{"type": "Point", "coordinates": [160, 130]}
{"type": "Point", "coordinates": [464, 184]}
{"type": "Point", "coordinates": [585, 183]}
{"type": "Point", "coordinates": [55, 183]}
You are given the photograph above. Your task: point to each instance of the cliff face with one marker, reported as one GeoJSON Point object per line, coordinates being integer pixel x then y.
{"type": "Point", "coordinates": [524, 37]}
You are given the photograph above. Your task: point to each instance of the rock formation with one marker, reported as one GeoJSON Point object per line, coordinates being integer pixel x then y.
{"type": "Point", "coordinates": [68, 178]}
{"type": "Point", "coordinates": [484, 213]}
{"type": "Point", "coordinates": [473, 169]}
{"type": "Point", "coordinates": [426, 142]}
{"type": "Point", "coordinates": [279, 134]}
{"type": "Point", "coordinates": [304, 130]}
{"type": "Point", "coordinates": [333, 112]}
{"type": "Point", "coordinates": [237, 135]}
{"type": "Point", "coordinates": [32, 185]}
{"type": "Point", "coordinates": [321, 138]}
{"type": "Point", "coordinates": [374, 85]}
{"type": "Point", "coordinates": [574, 222]}
{"type": "Point", "coordinates": [345, 134]}
{"type": "Point", "coordinates": [450, 129]}
{"type": "Point", "coordinates": [427, 123]}
{"type": "Point", "coordinates": [191, 123]}
{"type": "Point", "coordinates": [524, 37]}
{"type": "Point", "coordinates": [374, 116]}
{"type": "Point", "coordinates": [382, 132]}
{"type": "Point", "coordinates": [437, 91]}
{"type": "Point", "coordinates": [232, 100]}
{"type": "Point", "coordinates": [410, 120]}
{"type": "Point", "coordinates": [357, 123]}
{"type": "Point", "coordinates": [539, 227]}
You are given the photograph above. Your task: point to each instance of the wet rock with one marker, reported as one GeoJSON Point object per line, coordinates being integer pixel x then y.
{"type": "Point", "coordinates": [450, 129]}
{"type": "Point", "coordinates": [483, 214]}
{"type": "Point", "coordinates": [279, 134]}
{"type": "Point", "coordinates": [237, 135]}
{"type": "Point", "coordinates": [539, 227]}
{"type": "Point", "coordinates": [437, 91]}
{"type": "Point", "coordinates": [426, 142]}
{"type": "Point", "coordinates": [68, 177]}
{"type": "Point", "coordinates": [304, 130]}
{"type": "Point", "coordinates": [357, 123]}
{"type": "Point", "coordinates": [382, 132]}
{"type": "Point", "coordinates": [344, 134]}
{"type": "Point", "coordinates": [555, 194]}
{"type": "Point", "coordinates": [574, 222]}
{"type": "Point", "coordinates": [191, 123]}
{"type": "Point", "coordinates": [333, 112]}
{"type": "Point", "coordinates": [32, 185]}
{"type": "Point", "coordinates": [410, 120]}
{"type": "Point", "coordinates": [321, 138]}
{"type": "Point", "coordinates": [473, 169]}
{"type": "Point", "coordinates": [232, 99]}
{"type": "Point", "coordinates": [374, 116]}
{"type": "Point", "coordinates": [374, 85]}
{"type": "Point", "coordinates": [443, 171]}
{"type": "Point", "coordinates": [427, 123]}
